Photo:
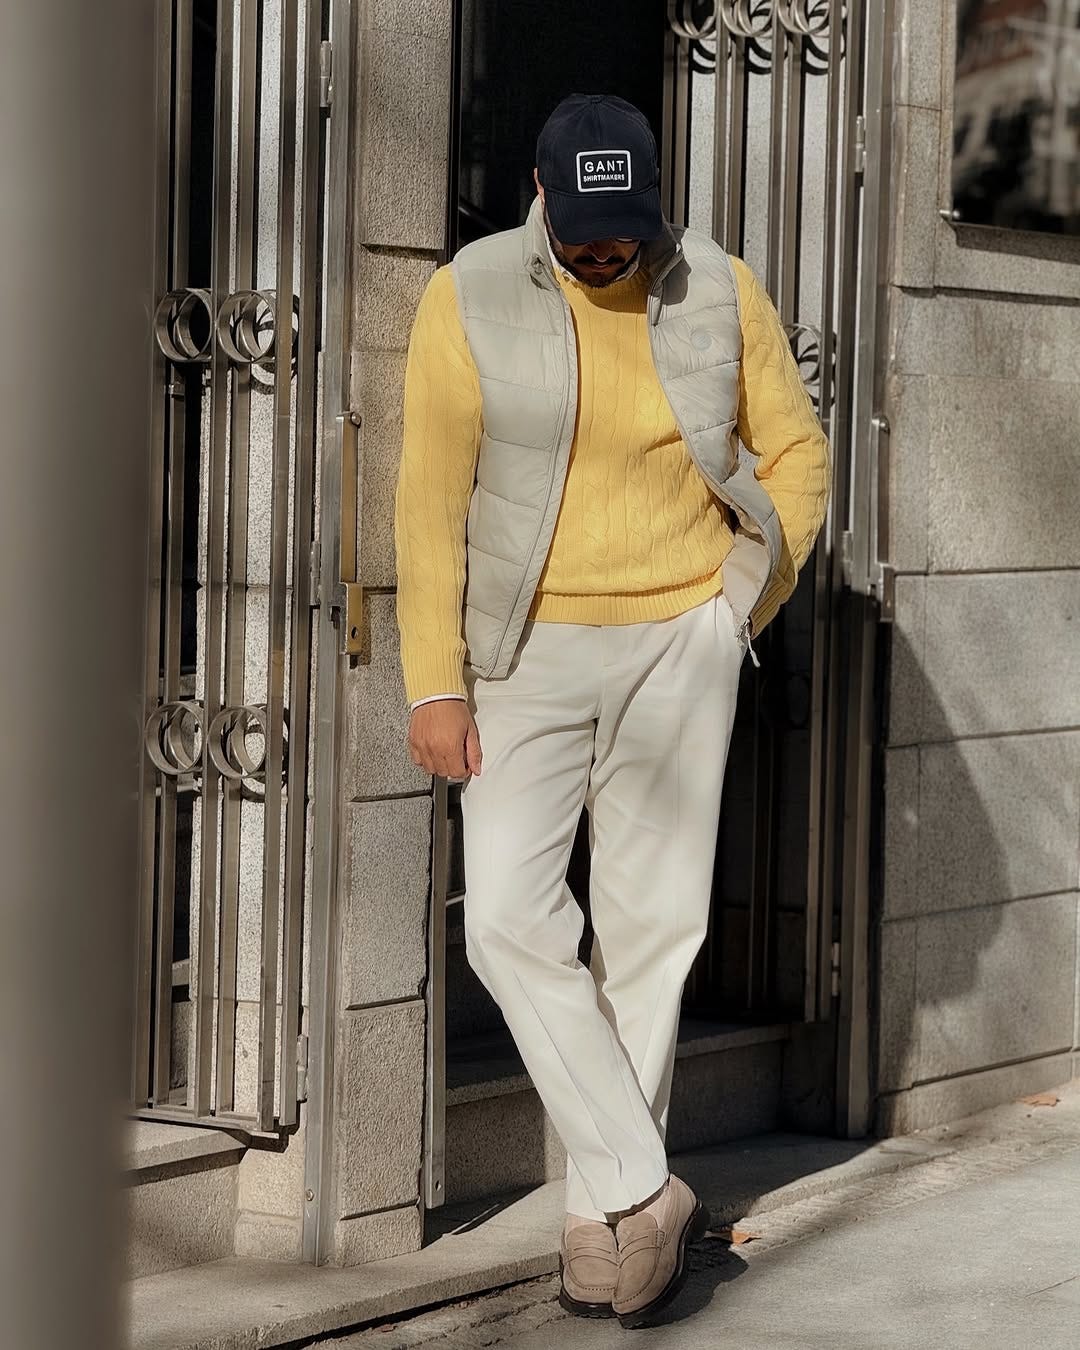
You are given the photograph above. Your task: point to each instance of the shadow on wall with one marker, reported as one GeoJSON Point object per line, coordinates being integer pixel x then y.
{"type": "Point", "coordinates": [972, 975]}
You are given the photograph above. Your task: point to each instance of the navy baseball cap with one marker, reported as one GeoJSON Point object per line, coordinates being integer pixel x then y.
{"type": "Point", "coordinates": [597, 163]}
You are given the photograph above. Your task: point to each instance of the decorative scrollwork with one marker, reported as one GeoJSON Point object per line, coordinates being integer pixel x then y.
{"type": "Point", "coordinates": [227, 741]}
{"type": "Point", "coordinates": [746, 18]}
{"type": "Point", "coordinates": [753, 23]}
{"type": "Point", "coordinates": [702, 58]}
{"type": "Point", "coordinates": [175, 734]}
{"type": "Point", "coordinates": [174, 325]}
{"type": "Point", "coordinates": [692, 19]}
{"type": "Point", "coordinates": [246, 326]}
{"type": "Point", "coordinates": [805, 340]}
{"type": "Point", "coordinates": [804, 18]}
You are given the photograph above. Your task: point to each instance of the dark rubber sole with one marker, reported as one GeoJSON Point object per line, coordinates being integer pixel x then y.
{"type": "Point", "coordinates": [579, 1309]}
{"type": "Point", "coordinates": [694, 1231]}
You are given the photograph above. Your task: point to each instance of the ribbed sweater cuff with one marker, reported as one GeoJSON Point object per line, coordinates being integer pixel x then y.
{"type": "Point", "coordinates": [433, 669]}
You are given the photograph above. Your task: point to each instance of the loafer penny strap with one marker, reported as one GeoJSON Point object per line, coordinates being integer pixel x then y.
{"type": "Point", "coordinates": [589, 1249]}
{"type": "Point", "coordinates": [642, 1243]}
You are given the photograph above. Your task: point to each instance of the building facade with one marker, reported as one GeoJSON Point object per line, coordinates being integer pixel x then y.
{"type": "Point", "coordinates": [315, 1069]}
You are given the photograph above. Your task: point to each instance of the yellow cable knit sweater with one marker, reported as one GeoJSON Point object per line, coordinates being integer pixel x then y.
{"type": "Point", "coordinates": [639, 534]}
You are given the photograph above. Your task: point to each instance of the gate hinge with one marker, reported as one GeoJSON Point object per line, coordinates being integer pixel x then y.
{"type": "Point", "coordinates": [859, 147]}
{"type": "Point", "coordinates": [883, 587]}
{"type": "Point", "coordinates": [835, 968]}
{"type": "Point", "coordinates": [326, 61]}
{"type": "Point", "coordinates": [301, 1067]}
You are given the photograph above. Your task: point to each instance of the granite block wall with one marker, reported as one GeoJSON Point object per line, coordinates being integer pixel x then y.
{"type": "Point", "coordinates": [978, 982]}
{"type": "Point", "coordinates": [402, 111]}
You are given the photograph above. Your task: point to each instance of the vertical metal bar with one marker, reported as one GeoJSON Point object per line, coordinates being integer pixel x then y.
{"type": "Point", "coordinates": [220, 278]}
{"type": "Point", "coordinates": [434, 1159]}
{"type": "Point", "coordinates": [762, 871]}
{"type": "Point", "coordinates": [300, 630]}
{"type": "Point", "coordinates": [774, 224]}
{"type": "Point", "coordinates": [435, 995]}
{"type": "Point", "coordinates": [681, 146]}
{"type": "Point", "coordinates": [235, 601]}
{"type": "Point", "coordinates": [764, 745]}
{"type": "Point", "coordinates": [855, 261]}
{"type": "Point", "coordinates": [736, 220]}
{"type": "Point", "coordinates": [667, 176]}
{"type": "Point", "coordinates": [853, 1101]}
{"type": "Point", "coordinates": [185, 384]}
{"type": "Point", "coordinates": [721, 185]}
{"type": "Point", "coordinates": [141, 1088]}
{"type": "Point", "coordinates": [279, 514]}
{"type": "Point", "coordinates": [833, 171]}
{"type": "Point", "coordinates": [869, 481]}
{"type": "Point", "coordinates": [318, 1155]}
{"type": "Point", "coordinates": [816, 999]}
{"type": "Point", "coordinates": [453, 156]}
{"type": "Point", "coordinates": [170, 681]}
{"type": "Point", "coordinates": [857, 340]}
{"type": "Point", "coordinates": [791, 253]}
{"type": "Point", "coordinates": [675, 149]}
{"type": "Point", "coordinates": [852, 1110]}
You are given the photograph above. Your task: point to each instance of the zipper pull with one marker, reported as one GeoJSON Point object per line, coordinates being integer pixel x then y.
{"type": "Point", "coordinates": [749, 644]}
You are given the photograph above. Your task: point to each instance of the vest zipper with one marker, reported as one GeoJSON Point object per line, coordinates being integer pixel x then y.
{"type": "Point", "coordinates": [745, 632]}
{"type": "Point", "coordinates": [551, 480]}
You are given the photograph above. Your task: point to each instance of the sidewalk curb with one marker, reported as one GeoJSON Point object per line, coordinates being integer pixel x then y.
{"type": "Point", "coordinates": [238, 1304]}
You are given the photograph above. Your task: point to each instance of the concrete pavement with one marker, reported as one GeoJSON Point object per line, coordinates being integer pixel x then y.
{"type": "Point", "coordinates": [978, 1246]}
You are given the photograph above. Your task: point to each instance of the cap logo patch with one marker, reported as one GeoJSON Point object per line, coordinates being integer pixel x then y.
{"type": "Point", "coordinates": [603, 170]}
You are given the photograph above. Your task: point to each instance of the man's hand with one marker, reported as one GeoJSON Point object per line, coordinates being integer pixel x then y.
{"type": "Point", "coordinates": [443, 738]}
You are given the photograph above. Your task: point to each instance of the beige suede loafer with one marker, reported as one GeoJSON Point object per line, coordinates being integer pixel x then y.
{"type": "Point", "coordinates": [589, 1266]}
{"type": "Point", "coordinates": [652, 1253]}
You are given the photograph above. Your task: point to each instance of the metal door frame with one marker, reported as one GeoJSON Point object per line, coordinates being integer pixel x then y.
{"type": "Point", "coordinates": [338, 598]}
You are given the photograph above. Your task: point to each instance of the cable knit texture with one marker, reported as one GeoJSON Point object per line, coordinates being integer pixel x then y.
{"type": "Point", "coordinates": [639, 535]}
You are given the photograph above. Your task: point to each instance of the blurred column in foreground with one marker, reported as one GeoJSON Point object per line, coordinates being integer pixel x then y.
{"type": "Point", "coordinates": [76, 211]}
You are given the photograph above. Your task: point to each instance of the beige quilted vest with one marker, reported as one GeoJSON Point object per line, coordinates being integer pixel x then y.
{"type": "Point", "coordinates": [521, 336]}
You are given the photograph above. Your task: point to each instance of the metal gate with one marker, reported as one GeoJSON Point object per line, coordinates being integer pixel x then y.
{"type": "Point", "coordinates": [772, 145]}
{"type": "Point", "coordinates": [225, 719]}
{"type": "Point", "coordinates": [775, 139]}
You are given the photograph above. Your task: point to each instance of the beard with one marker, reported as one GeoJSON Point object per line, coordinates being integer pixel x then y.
{"type": "Point", "coordinates": [597, 283]}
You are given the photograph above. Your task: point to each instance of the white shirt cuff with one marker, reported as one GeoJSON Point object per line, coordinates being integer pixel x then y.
{"type": "Point", "coordinates": [431, 698]}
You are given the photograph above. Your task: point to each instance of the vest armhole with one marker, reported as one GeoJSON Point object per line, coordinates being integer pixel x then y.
{"type": "Point", "coordinates": [456, 276]}
{"type": "Point", "coordinates": [735, 287]}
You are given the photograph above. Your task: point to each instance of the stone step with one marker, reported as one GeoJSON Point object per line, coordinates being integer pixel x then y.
{"type": "Point", "coordinates": [727, 1085]}
{"type": "Point", "coordinates": [181, 1190]}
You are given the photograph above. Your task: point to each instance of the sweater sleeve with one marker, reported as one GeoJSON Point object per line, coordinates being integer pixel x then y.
{"type": "Point", "coordinates": [777, 422]}
{"type": "Point", "coordinates": [440, 446]}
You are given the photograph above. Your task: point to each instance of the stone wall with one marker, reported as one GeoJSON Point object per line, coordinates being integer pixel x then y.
{"type": "Point", "coordinates": [401, 117]}
{"type": "Point", "coordinates": [977, 961]}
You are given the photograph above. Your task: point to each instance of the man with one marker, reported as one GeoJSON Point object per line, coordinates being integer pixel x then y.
{"type": "Point", "coordinates": [583, 560]}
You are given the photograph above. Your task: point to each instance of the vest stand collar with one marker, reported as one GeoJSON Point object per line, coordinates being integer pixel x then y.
{"type": "Point", "coordinates": [657, 255]}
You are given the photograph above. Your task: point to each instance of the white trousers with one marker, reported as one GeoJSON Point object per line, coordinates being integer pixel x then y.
{"type": "Point", "coordinates": [634, 721]}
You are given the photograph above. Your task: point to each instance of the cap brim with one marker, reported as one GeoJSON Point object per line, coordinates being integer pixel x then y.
{"type": "Point", "coordinates": [577, 218]}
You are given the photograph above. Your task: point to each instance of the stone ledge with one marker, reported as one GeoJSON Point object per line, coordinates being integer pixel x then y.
{"type": "Point", "coordinates": [151, 1146]}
